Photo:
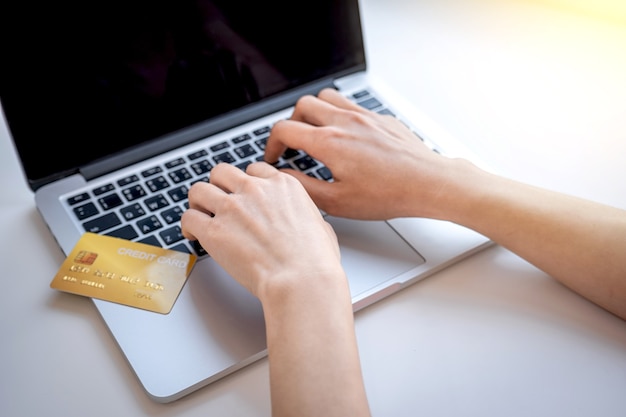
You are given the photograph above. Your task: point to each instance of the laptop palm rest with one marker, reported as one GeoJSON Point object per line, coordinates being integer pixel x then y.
{"type": "Point", "coordinates": [372, 253]}
{"type": "Point", "coordinates": [216, 326]}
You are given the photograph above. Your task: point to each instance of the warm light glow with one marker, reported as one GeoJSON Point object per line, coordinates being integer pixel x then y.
{"type": "Point", "coordinates": [614, 10]}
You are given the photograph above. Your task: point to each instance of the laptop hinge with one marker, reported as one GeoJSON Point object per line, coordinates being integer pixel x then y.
{"type": "Point", "coordinates": [201, 130]}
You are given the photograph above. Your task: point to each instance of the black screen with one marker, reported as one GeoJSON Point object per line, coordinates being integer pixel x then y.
{"type": "Point", "coordinates": [83, 80]}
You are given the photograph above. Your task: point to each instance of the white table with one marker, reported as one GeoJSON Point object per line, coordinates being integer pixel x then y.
{"type": "Point", "coordinates": [538, 90]}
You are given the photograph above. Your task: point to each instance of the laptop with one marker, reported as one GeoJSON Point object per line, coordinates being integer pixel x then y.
{"type": "Point", "coordinates": [117, 108]}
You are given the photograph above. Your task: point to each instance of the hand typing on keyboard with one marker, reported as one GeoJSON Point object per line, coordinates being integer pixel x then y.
{"type": "Point", "coordinates": [268, 233]}
{"type": "Point", "coordinates": [371, 157]}
{"type": "Point", "coordinates": [263, 215]}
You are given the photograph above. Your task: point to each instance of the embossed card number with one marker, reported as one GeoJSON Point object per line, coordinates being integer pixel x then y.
{"type": "Point", "coordinates": [124, 272]}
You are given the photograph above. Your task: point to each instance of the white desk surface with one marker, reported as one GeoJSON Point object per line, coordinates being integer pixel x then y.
{"type": "Point", "coordinates": [539, 92]}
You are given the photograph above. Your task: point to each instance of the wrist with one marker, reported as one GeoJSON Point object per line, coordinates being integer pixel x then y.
{"type": "Point", "coordinates": [445, 191]}
{"type": "Point", "coordinates": [466, 195]}
{"type": "Point", "coordinates": [297, 286]}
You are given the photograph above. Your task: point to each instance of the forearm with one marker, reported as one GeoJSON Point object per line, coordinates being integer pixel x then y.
{"type": "Point", "coordinates": [314, 362]}
{"type": "Point", "coordinates": [580, 243]}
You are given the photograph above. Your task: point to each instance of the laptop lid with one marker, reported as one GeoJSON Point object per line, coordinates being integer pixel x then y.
{"type": "Point", "coordinates": [96, 86]}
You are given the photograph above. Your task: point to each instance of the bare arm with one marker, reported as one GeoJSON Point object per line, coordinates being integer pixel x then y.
{"type": "Point", "coordinates": [266, 232]}
{"type": "Point", "coordinates": [580, 243]}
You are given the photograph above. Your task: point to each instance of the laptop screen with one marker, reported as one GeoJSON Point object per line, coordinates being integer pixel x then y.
{"type": "Point", "coordinates": [84, 80]}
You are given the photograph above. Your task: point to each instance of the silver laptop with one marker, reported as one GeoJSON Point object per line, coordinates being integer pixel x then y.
{"type": "Point", "coordinates": [117, 108]}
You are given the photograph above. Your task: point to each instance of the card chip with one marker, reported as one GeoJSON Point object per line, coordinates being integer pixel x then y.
{"type": "Point", "coordinates": [85, 257]}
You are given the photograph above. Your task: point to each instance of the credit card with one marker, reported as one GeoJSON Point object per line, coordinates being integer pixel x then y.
{"type": "Point", "coordinates": [124, 272]}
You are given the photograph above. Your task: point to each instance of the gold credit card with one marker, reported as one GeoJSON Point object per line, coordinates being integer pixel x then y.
{"type": "Point", "coordinates": [124, 272]}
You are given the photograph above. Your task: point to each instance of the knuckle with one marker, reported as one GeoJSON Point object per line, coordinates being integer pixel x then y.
{"type": "Point", "coordinates": [276, 128]}
{"type": "Point", "coordinates": [193, 191]}
{"type": "Point", "coordinates": [357, 118]}
{"type": "Point", "coordinates": [329, 132]}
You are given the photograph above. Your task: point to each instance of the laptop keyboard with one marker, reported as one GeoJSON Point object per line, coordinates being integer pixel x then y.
{"type": "Point", "coordinates": [146, 206]}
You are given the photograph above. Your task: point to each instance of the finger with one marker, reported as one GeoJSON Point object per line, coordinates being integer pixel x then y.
{"type": "Point", "coordinates": [330, 108]}
{"type": "Point", "coordinates": [326, 108]}
{"type": "Point", "coordinates": [315, 141]}
{"type": "Point", "coordinates": [227, 177]}
{"type": "Point", "coordinates": [205, 197]}
{"type": "Point", "coordinates": [334, 97]}
{"type": "Point", "coordinates": [308, 110]}
{"type": "Point", "coordinates": [261, 169]}
{"type": "Point", "coordinates": [320, 191]}
{"type": "Point", "coordinates": [285, 134]}
{"type": "Point", "coordinates": [274, 147]}
{"type": "Point", "coordinates": [321, 112]}
{"type": "Point", "coordinates": [194, 224]}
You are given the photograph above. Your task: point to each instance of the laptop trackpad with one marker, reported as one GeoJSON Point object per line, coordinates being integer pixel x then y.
{"type": "Point", "coordinates": [372, 252]}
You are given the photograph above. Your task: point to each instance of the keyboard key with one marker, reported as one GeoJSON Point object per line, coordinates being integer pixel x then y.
{"type": "Point", "coordinates": [86, 210]}
{"type": "Point", "coordinates": [132, 212]}
{"type": "Point", "coordinates": [245, 151]}
{"type": "Point", "coordinates": [261, 143]}
{"type": "Point", "coordinates": [262, 131]}
{"type": "Point", "coordinates": [282, 165]}
{"type": "Point", "coordinates": [110, 201]}
{"type": "Point", "coordinates": [157, 202]}
{"type": "Point", "coordinates": [157, 184]}
{"type": "Point", "coordinates": [103, 223]}
{"type": "Point", "coordinates": [181, 247]}
{"type": "Point", "coordinates": [127, 180]}
{"type": "Point", "coordinates": [242, 166]}
{"type": "Point", "coordinates": [325, 173]}
{"type": "Point", "coordinates": [242, 138]}
{"type": "Point", "coordinates": [360, 94]}
{"type": "Point", "coordinates": [149, 224]}
{"type": "Point", "coordinates": [201, 167]}
{"type": "Point", "coordinates": [291, 153]}
{"type": "Point", "coordinates": [134, 192]}
{"type": "Point", "coordinates": [171, 235]}
{"type": "Point", "coordinates": [197, 154]}
{"type": "Point", "coordinates": [77, 199]}
{"type": "Point", "coordinates": [180, 175]}
{"type": "Point", "coordinates": [151, 171]}
{"type": "Point", "coordinates": [198, 248]}
{"type": "Point", "coordinates": [203, 179]}
{"type": "Point", "coordinates": [151, 240]}
{"type": "Point", "coordinates": [386, 111]}
{"type": "Point", "coordinates": [103, 189]}
{"type": "Point", "coordinates": [174, 163]}
{"type": "Point", "coordinates": [219, 146]}
{"type": "Point", "coordinates": [127, 232]}
{"type": "Point", "coordinates": [370, 103]}
{"type": "Point", "coordinates": [224, 157]}
{"type": "Point", "coordinates": [172, 215]}
{"type": "Point", "coordinates": [178, 193]}
{"type": "Point", "coordinates": [306, 162]}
